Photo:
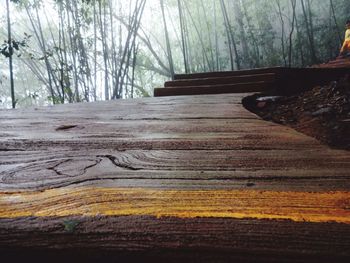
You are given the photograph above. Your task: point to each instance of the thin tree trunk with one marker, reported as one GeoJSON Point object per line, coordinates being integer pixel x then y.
{"type": "Point", "coordinates": [133, 71]}
{"type": "Point", "coordinates": [104, 49]}
{"type": "Point", "coordinates": [293, 4]}
{"type": "Point", "coordinates": [68, 83]}
{"type": "Point", "coordinates": [282, 33]}
{"type": "Point", "coordinates": [43, 49]}
{"type": "Point", "coordinates": [95, 51]}
{"type": "Point", "coordinates": [204, 53]}
{"type": "Point", "coordinates": [209, 36]}
{"type": "Point", "coordinates": [133, 27]}
{"type": "Point", "coordinates": [335, 21]}
{"type": "Point", "coordinates": [12, 83]}
{"type": "Point", "coordinates": [240, 23]}
{"type": "Point", "coordinates": [217, 55]}
{"type": "Point", "coordinates": [74, 56]}
{"type": "Point", "coordinates": [61, 56]}
{"type": "Point", "coordinates": [300, 43]}
{"type": "Point", "coordinates": [309, 31]}
{"type": "Point", "coordinates": [85, 75]}
{"type": "Point", "coordinates": [184, 50]}
{"type": "Point", "coordinates": [169, 54]}
{"type": "Point", "coordinates": [230, 37]}
{"type": "Point", "coordinates": [251, 35]}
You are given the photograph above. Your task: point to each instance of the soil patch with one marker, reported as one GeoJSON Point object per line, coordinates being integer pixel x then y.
{"type": "Point", "coordinates": [322, 112]}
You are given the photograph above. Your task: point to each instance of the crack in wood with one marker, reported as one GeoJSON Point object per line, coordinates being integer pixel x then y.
{"type": "Point", "coordinates": [113, 159]}
{"type": "Point", "coordinates": [84, 170]}
{"type": "Point", "coordinates": [65, 127]}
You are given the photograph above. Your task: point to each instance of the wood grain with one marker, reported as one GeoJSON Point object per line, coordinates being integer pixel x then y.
{"type": "Point", "coordinates": [146, 238]}
{"type": "Point", "coordinates": [89, 201]}
{"type": "Point", "coordinates": [160, 175]}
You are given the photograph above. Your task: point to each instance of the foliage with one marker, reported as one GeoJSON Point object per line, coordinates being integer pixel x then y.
{"type": "Point", "coordinates": [8, 48]}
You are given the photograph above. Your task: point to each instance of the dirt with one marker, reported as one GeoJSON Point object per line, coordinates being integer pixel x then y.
{"type": "Point", "coordinates": [322, 112]}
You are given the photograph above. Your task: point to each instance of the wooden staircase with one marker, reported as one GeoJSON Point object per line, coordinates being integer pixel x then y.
{"type": "Point", "coordinates": [278, 80]}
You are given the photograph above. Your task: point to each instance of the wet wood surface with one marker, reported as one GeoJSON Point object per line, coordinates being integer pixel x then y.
{"type": "Point", "coordinates": [194, 178]}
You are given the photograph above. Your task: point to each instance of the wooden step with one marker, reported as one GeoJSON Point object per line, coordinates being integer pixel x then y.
{"type": "Point", "coordinates": [222, 80]}
{"type": "Point", "coordinates": [214, 89]}
{"type": "Point", "coordinates": [282, 81]}
{"type": "Point", "coordinates": [336, 65]}
{"type": "Point", "coordinates": [220, 74]}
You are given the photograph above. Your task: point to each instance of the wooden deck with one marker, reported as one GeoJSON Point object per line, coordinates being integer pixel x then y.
{"type": "Point", "coordinates": [190, 178]}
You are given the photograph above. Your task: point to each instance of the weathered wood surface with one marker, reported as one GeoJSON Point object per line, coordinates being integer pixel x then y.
{"type": "Point", "coordinates": [194, 178]}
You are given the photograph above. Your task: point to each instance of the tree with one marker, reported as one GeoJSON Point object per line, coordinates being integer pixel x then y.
{"type": "Point", "coordinates": [10, 53]}
{"type": "Point", "coordinates": [167, 41]}
{"type": "Point", "coordinates": [230, 38]}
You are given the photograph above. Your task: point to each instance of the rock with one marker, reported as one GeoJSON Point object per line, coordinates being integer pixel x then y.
{"type": "Point", "coordinates": [269, 98]}
{"type": "Point", "coordinates": [321, 111]}
{"type": "Point", "coordinates": [261, 104]}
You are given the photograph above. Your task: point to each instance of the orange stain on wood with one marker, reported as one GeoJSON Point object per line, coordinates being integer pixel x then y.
{"type": "Point", "coordinates": [88, 201]}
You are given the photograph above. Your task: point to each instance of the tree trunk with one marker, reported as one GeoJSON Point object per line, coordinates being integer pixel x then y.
{"type": "Point", "coordinates": [182, 29]}
{"type": "Point", "coordinates": [290, 50]}
{"type": "Point", "coordinates": [309, 31]}
{"type": "Point", "coordinates": [169, 54]}
{"type": "Point", "coordinates": [104, 48]}
{"type": "Point", "coordinates": [217, 52]}
{"type": "Point", "coordinates": [12, 83]}
{"type": "Point", "coordinates": [240, 23]}
{"type": "Point", "coordinates": [300, 43]}
{"type": "Point", "coordinates": [252, 36]}
{"type": "Point", "coordinates": [280, 14]}
{"type": "Point", "coordinates": [335, 21]}
{"type": "Point", "coordinates": [230, 37]}
{"type": "Point", "coordinates": [212, 61]}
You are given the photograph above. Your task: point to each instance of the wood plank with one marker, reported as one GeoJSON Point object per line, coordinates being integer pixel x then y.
{"type": "Point", "coordinates": [158, 176]}
{"type": "Point", "coordinates": [289, 81]}
{"type": "Point", "coordinates": [92, 201]}
{"type": "Point", "coordinates": [221, 170]}
{"type": "Point", "coordinates": [269, 77]}
{"type": "Point", "coordinates": [280, 71]}
{"type": "Point", "coordinates": [173, 108]}
{"type": "Point", "coordinates": [219, 74]}
{"type": "Point", "coordinates": [146, 238]}
{"type": "Point", "coordinates": [261, 86]}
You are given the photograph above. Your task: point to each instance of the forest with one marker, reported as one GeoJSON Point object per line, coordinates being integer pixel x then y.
{"type": "Point", "coordinates": [66, 51]}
